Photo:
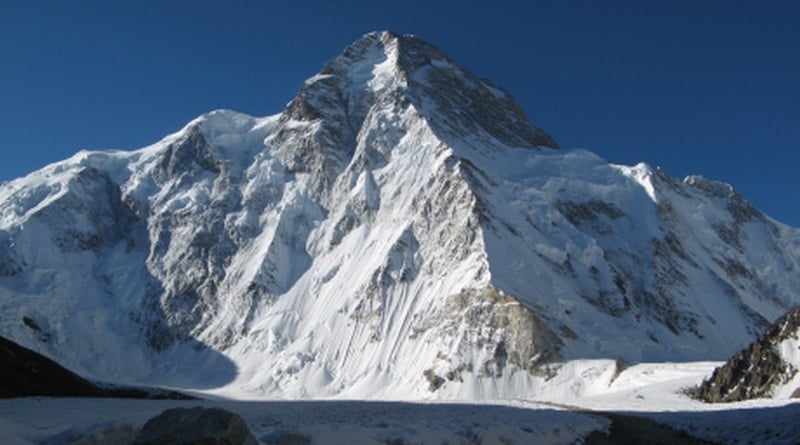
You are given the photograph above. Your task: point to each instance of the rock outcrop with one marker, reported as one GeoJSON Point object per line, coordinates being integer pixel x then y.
{"type": "Point", "coordinates": [759, 369]}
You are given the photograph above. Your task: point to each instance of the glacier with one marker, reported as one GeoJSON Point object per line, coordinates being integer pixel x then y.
{"type": "Point", "coordinates": [400, 230]}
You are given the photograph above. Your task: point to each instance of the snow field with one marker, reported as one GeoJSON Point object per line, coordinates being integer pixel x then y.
{"type": "Point", "coordinates": [571, 406]}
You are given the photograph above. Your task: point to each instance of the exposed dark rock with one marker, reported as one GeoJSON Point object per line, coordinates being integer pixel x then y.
{"type": "Point", "coordinates": [754, 371]}
{"type": "Point", "coordinates": [511, 334]}
{"type": "Point", "coordinates": [42, 334]}
{"type": "Point", "coordinates": [580, 212]}
{"type": "Point", "coordinates": [634, 430]}
{"type": "Point", "coordinates": [620, 365]}
{"type": "Point", "coordinates": [478, 105]}
{"type": "Point", "coordinates": [196, 426]}
{"type": "Point", "coordinates": [90, 215]}
{"type": "Point", "coordinates": [188, 156]}
{"type": "Point", "coordinates": [26, 373]}
{"type": "Point", "coordinates": [434, 381]}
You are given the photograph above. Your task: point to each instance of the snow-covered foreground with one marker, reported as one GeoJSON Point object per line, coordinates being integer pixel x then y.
{"type": "Point", "coordinates": [571, 407]}
{"type": "Point", "coordinates": [61, 420]}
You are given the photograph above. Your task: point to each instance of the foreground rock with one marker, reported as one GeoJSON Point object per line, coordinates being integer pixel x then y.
{"type": "Point", "coordinates": [766, 365]}
{"type": "Point", "coordinates": [196, 426]}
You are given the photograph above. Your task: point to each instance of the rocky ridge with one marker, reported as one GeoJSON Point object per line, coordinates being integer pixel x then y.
{"type": "Point", "coordinates": [767, 365]}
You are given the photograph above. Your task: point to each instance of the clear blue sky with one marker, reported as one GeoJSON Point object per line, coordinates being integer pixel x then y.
{"type": "Point", "coordinates": [701, 87]}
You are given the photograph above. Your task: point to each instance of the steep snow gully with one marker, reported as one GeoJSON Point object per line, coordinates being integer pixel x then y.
{"type": "Point", "coordinates": [400, 230]}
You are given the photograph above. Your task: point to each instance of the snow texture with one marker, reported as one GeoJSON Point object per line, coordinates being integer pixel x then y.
{"type": "Point", "coordinates": [585, 395]}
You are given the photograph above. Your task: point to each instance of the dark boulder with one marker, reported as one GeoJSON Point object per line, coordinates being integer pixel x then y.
{"type": "Point", "coordinates": [196, 426]}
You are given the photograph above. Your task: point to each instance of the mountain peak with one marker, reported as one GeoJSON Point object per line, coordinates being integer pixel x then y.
{"type": "Point", "coordinates": [385, 67]}
{"type": "Point", "coordinates": [396, 228]}
{"type": "Point", "coordinates": [409, 51]}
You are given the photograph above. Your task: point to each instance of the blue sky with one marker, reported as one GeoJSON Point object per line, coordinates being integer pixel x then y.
{"type": "Point", "coordinates": [702, 87]}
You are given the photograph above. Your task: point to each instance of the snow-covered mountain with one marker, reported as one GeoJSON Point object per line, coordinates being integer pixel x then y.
{"type": "Point", "coordinates": [401, 227]}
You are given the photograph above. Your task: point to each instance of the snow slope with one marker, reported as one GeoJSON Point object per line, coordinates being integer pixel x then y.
{"type": "Point", "coordinates": [401, 230]}
{"type": "Point", "coordinates": [789, 351]}
{"type": "Point", "coordinates": [58, 422]}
